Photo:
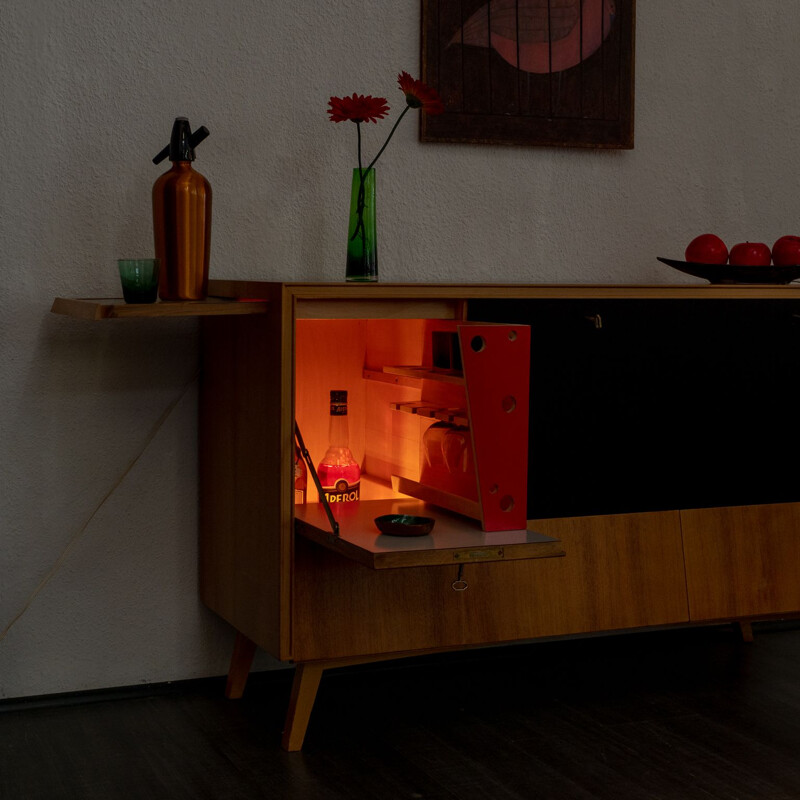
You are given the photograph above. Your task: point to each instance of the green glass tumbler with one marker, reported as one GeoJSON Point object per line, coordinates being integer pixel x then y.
{"type": "Point", "coordinates": [362, 244]}
{"type": "Point", "coordinates": [139, 277]}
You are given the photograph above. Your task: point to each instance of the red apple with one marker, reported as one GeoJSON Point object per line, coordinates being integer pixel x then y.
{"type": "Point", "coordinates": [750, 254]}
{"type": "Point", "coordinates": [786, 251]}
{"type": "Point", "coordinates": [707, 249]}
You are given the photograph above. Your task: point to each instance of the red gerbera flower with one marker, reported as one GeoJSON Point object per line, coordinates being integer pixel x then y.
{"type": "Point", "coordinates": [420, 95]}
{"type": "Point", "coordinates": [358, 108]}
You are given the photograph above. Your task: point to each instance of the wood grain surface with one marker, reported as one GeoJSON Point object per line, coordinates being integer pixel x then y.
{"type": "Point", "coordinates": [742, 561]}
{"type": "Point", "coordinates": [619, 572]}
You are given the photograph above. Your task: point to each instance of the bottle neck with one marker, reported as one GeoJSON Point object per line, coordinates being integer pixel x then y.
{"type": "Point", "coordinates": [338, 431]}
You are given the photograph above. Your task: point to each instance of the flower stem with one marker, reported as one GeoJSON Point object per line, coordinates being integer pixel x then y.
{"type": "Point", "coordinates": [358, 131]}
{"type": "Point", "coordinates": [388, 138]}
{"type": "Point", "coordinates": [360, 202]}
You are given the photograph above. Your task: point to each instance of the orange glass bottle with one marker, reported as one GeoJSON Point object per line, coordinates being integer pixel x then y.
{"type": "Point", "coordinates": [300, 476]}
{"type": "Point", "coordinates": [182, 218]}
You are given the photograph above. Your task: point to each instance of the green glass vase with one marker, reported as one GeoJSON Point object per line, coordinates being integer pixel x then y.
{"type": "Point", "coordinates": [362, 244]}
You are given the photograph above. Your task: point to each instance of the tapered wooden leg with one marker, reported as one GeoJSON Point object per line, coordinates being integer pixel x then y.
{"type": "Point", "coordinates": [745, 630]}
{"type": "Point", "coordinates": [304, 692]}
{"type": "Point", "coordinates": [242, 659]}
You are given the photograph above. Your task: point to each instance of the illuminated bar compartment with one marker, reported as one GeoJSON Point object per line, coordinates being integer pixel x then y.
{"type": "Point", "coordinates": [438, 422]}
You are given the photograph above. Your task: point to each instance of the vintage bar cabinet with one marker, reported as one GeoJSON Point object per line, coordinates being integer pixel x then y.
{"type": "Point", "coordinates": [642, 482]}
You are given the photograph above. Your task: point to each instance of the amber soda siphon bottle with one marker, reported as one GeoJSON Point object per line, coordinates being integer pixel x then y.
{"type": "Point", "coordinates": [182, 218]}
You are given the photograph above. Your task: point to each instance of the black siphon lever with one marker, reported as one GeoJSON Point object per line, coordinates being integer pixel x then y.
{"type": "Point", "coordinates": [194, 140]}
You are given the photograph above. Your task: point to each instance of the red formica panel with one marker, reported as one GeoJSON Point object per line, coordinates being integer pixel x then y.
{"type": "Point", "coordinates": [496, 360]}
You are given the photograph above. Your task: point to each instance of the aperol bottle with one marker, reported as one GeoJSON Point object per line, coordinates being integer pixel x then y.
{"type": "Point", "coordinates": [339, 473]}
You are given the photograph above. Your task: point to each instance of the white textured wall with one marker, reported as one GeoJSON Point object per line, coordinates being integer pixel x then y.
{"type": "Point", "coordinates": [98, 494]}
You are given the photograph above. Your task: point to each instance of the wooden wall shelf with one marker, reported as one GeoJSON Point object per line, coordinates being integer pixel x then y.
{"type": "Point", "coordinates": [117, 308]}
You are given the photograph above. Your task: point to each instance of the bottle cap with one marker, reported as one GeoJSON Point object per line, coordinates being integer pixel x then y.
{"type": "Point", "coordinates": [338, 403]}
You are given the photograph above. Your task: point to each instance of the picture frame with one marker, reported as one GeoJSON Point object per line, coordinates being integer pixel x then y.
{"type": "Point", "coordinates": [555, 73]}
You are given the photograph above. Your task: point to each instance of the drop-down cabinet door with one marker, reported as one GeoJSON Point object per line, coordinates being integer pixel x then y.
{"type": "Point", "coordinates": [620, 571]}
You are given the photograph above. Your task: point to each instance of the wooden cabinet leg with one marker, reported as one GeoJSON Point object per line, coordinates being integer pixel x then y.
{"type": "Point", "coordinates": [304, 692]}
{"type": "Point", "coordinates": [242, 659]}
{"type": "Point", "coordinates": [745, 630]}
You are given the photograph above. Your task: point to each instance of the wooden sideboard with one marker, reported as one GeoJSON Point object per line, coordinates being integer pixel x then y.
{"type": "Point", "coordinates": [622, 423]}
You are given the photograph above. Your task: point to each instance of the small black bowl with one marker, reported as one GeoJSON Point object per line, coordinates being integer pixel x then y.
{"type": "Point", "coordinates": [404, 525]}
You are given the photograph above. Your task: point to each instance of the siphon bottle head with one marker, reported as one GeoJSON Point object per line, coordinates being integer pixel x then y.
{"type": "Point", "coordinates": [182, 142]}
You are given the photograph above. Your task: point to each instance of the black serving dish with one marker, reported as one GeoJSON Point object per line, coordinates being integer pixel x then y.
{"type": "Point", "coordinates": [728, 273]}
{"type": "Point", "coordinates": [404, 525]}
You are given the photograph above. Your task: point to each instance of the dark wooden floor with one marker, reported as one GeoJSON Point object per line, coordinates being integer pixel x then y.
{"type": "Point", "coordinates": [677, 714]}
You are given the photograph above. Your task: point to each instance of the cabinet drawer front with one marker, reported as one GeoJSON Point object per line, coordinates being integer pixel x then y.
{"type": "Point", "coordinates": [742, 561]}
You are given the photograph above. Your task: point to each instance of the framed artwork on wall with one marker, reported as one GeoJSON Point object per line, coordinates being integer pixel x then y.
{"type": "Point", "coordinates": [530, 72]}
